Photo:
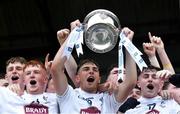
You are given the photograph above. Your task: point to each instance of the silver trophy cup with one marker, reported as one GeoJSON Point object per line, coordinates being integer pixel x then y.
{"type": "Point", "coordinates": [101, 30]}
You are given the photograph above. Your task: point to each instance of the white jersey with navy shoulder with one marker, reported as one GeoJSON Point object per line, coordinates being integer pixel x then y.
{"type": "Point", "coordinates": [155, 106]}
{"type": "Point", "coordinates": [10, 102]}
{"type": "Point", "coordinates": [46, 99]}
{"type": "Point", "coordinates": [77, 101]}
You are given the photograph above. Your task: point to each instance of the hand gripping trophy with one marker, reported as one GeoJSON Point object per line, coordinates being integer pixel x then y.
{"type": "Point", "coordinates": [100, 30]}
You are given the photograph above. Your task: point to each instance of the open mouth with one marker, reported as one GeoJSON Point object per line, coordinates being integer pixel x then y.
{"type": "Point", "coordinates": [33, 82]}
{"type": "Point", "coordinates": [150, 86]}
{"type": "Point", "coordinates": [90, 79]}
{"type": "Point", "coordinates": [14, 78]}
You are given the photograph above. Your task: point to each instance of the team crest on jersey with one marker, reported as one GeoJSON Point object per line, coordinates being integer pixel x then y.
{"type": "Point", "coordinates": [35, 108]}
{"type": "Point", "coordinates": [153, 112]}
{"type": "Point", "coordinates": [90, 110]}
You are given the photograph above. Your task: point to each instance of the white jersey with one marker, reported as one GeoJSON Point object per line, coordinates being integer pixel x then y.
{"type": "Point", "coordinates": [155, 106]}
{"type": "Point", "coordinates": [77, 101]}
{"type": "Point", "coordinates": [10, 102]}
{"type": "Point", "coordinates": [46, 99]}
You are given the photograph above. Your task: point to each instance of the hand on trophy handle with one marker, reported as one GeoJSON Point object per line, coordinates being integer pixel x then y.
{"type": "Point", "coordinates": [128, 33]}
{"type": "Point", "coordinates": [62, 35]}
{"type": "Point", "coordinates": [75, 24]}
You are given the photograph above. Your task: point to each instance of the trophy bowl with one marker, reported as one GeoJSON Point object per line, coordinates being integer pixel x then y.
{"type": "Point", "coordinates": [101, 30]}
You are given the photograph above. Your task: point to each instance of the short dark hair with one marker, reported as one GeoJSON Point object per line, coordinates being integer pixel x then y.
{"type": "Point", "coordinates": [84, 61]}
{"type": "Point", "coordinates": [150, 67]}
{"type": "Point", "coordinates": [21, 60]}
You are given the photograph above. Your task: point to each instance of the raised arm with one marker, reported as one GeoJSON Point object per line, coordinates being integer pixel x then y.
{"type": "Point", "coordinates": [48, 65]}
{"type": "Point", "coordinates": [71, 64]}
{"type": "Point", "coordinates": [159, 45]}
{"type": "Point", "coordinates": [57, 68]}
{"type": "Point", "coordinates": [130, 79]}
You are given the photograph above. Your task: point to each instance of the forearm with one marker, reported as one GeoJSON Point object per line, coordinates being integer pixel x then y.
{"type": "Point", "coordinates": [165, 60]}
{"type": "Point", "coordinates": [131, 71]}
{"type": "Point", "coordinates": [130, 79]}
{"type": "Point", "coordinates": [71, 67]}
{"type": "Point", "coordinates": [57, 70]}
{"type": "Point", "coordinates": [153, 60]}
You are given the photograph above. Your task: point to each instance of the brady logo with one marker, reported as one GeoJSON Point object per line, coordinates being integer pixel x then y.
{"type": "Point", "coordinates": [35, 109]}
